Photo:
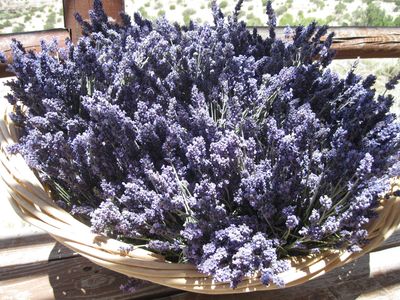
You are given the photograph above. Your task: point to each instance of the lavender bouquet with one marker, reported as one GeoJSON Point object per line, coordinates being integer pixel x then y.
{"type": "Point", "coordinates": [207, 144]}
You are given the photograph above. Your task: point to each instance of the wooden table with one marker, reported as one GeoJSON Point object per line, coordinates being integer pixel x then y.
{"type": "Point", "coordinates": [33, 266]}
{"type": "Point", "coordinates": [36, 267]}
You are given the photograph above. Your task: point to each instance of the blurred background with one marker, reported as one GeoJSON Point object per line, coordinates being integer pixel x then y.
{"type": "Point", "coordinates": [28, 15]}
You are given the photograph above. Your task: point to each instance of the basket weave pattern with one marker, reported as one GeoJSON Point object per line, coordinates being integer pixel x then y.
{"type": "Point", "coordinates": [33, 204]}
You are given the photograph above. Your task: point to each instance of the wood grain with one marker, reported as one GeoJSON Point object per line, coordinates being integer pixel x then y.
{"type": "Point", "coordinates": [48, 270]}
{"type": "Point", "coordinates": [75, 278]}
{"type": "Point", "coordinates": [372, 276]}
{"type": "Point", "coordinates": [112, 8]}
{"type": "Point", "coordinates": [363, 42]}
{"type": "Point", "coordinates": [349, 42]}
{"type": "Point", "coordinates": [36, 267]}
{"type": "Point", "coordinates": [31, 41]}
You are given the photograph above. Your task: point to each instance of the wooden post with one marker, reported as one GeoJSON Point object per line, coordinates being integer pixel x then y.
{"type": "Point", "coordinates": [112, 8]}
{"type": "Point", "coordinates": [349, 42]}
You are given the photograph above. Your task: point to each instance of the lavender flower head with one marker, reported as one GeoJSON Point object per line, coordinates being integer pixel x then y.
{"type": "Point", "coordinates": [2, 57]}
{"type": "Point", "coordinates": [209, 145]}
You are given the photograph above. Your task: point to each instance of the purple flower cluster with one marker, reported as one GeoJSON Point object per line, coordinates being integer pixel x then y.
{"type": "Point", "coordinates": [208, 144]}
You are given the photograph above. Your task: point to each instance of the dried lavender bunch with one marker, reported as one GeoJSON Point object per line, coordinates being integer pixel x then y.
{"type": "Point", "coordinates": [208, 144]}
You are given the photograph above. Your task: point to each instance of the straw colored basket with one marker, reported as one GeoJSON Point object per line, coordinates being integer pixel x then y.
{"type": "Point", "coordinates": [33, 204]}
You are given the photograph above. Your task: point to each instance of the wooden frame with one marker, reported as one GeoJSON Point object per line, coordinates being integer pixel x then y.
{"type": "Point", "coordinates": [349, 42]}
{"type": "Point", "coordinates": [112, 7]}
{"type": "Point", "coordinates": [31, 41]}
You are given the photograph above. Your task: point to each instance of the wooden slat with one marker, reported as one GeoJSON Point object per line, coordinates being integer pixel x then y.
{"type": "Point", "coordinates": [44, 269]}
{"type": "Point", "coordinates": [31, 41]}
{"type": "Point", "coordinates": [112, 8]}
{"type": "Point", "coordinates": [75, 278]}
{"type": "Point", "coordinates": [14, 239]}
{"type": "Point", "coordinates": [364, 42]}
{"type": "Point", "coordinates": [349, 42]}
{"type": "Point", "coordinates": [48, 270]}
{"type": "Point", "coordinates": [41, 250]}
{"type": "Point", "coordinates": [372, 276]}
{"type": "Point", "coordinates": [391, 242]}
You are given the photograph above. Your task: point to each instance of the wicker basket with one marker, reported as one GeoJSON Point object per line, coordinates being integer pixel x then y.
{"type": "Point", "coordinates": [33, 204]}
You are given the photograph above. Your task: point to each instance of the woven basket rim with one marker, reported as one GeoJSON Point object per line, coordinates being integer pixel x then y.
{"type": "Point", "coordinates": [34, 205]}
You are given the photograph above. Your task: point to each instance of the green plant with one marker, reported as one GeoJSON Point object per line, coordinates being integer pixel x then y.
{"type": "Point", "coordinates": [223, 4]}
{"type": "Point", "coordinates": [7, 23]}
{"type": "Point", "coordinates": [187, 13]}
{"type": "Point", "coordinates": [27, 18]}
{"type": "Point", "coordinates": [280, 10]}
{"type": "Point", "coordinates": [328, 20]}
{"type": "Point", "coordinates": [319, 3]}
{"type": "Point", "coordinates": [286, 19]}
{"type": "Point", "coordinates": [252, 20]}
{"type": "Point", "coordinates": [143, 12]}
{"type": "Point", "coordinates": [373, 15]}
{"type": "Point", "coordinates": [302, 20]}
{"type": "Point", "coordinates": [33, 10]}
{"type": "Point", "coordinates": [241, 14]}
{"type": "Point", "coordinates": [161, 12]}
{"type": "Point", "coordinates": [18, 28]}
{"type": "Point", "coordinates": [172, 7]}
{"type": "Point", "coordinates": [51, 21]}
{"type": "Point", "coordinates": [339, 8]}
